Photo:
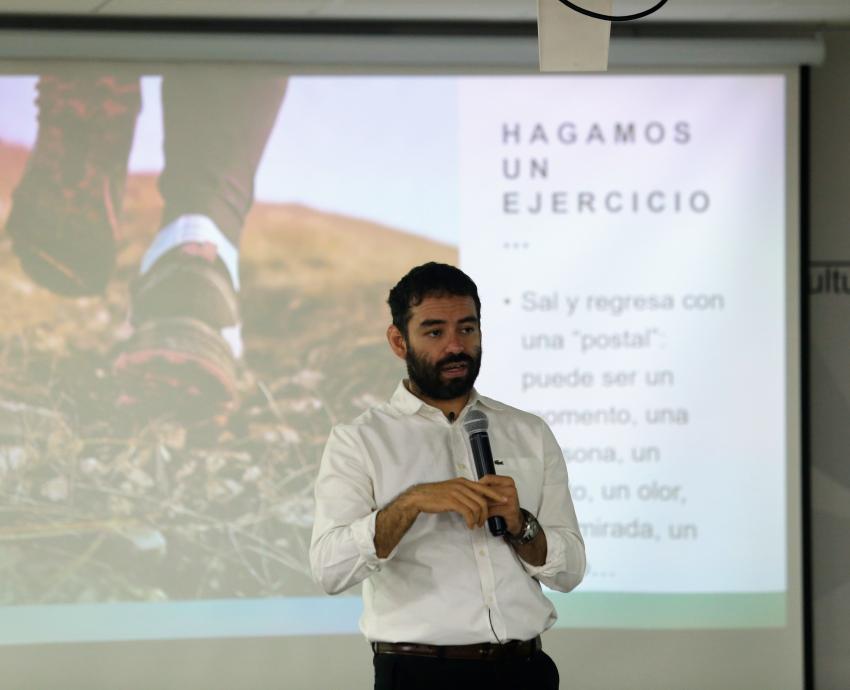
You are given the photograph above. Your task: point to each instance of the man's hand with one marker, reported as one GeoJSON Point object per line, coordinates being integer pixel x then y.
{"type": "Point", "coordinates": [473, 501]}
{"type": "Point", "coordinates": [534, 552]}
{"type": "Point", "coordinates": [508, 508]}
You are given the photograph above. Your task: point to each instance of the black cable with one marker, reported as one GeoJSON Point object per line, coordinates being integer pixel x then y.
{"type": "Point", "coordinates": [614, 18]}
{"type": "Point", "coordinates": [490, 618]}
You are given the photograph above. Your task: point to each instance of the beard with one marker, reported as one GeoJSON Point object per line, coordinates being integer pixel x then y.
{"type": "Point", "coordinates": [426, 376]}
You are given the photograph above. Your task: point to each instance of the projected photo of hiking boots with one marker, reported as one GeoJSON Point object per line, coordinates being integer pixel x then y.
{"type": "Point", "coordinates": [151, 448]}
{"type": "Point", "coordinates": [181, 358]}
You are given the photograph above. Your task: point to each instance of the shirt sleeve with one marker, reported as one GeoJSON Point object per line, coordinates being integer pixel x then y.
{"type": "Point", "coordinates": [565, 557]}
{"type": "Point", "coordinates": [342, 548]}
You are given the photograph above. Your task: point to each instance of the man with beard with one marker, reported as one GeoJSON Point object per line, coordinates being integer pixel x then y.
{"type": "Point", "coordinates": [446, 604]}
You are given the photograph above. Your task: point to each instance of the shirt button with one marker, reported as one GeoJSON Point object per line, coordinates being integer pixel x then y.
{"type": "Point", "coordinates": [482, 552]}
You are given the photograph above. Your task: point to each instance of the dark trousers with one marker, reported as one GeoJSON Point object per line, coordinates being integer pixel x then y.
{"type": "Point", "coordinates": [402, 672]}
{"type": "Point", "coordinates": [216, 125]}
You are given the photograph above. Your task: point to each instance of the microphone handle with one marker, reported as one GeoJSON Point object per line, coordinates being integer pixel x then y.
{"type": "Point", "coordinates": [498, 526]}
{"type": "Point", "coordinates": [483, 457]}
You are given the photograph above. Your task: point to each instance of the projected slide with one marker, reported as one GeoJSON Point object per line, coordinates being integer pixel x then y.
{"type": "Point", "coordinates": [631, 257]}
{"type": "Point", "coordinates": [628, 238]}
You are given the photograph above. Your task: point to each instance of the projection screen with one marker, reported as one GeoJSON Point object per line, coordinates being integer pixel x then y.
{"type": "Point", "coordinates": [635, 240]}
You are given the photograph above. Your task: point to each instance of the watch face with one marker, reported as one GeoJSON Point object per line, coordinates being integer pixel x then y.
{"type": "Point", "coordinates": [532, 527]}
{"type": "Point", "coordinates": [529, 530]}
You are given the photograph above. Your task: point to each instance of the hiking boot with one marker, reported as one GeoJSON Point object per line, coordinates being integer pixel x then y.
{"type": "Point", "coordinates": [177, 368]}
{"type": "Point", "coordinates": [183, 357]}
{"type": "Point", "coordinates": [64, 218]}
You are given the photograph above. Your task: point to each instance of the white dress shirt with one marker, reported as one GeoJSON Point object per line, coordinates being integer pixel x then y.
{"type": "Point", "coordinates": [443, 583]}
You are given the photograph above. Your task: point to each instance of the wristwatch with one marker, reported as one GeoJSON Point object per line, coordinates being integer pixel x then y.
{"type": "Point", "coordinates": [530, 528]}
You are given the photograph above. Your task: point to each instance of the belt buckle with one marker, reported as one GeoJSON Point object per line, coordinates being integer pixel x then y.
{"type": "Point", "coordinates": [491, 651]}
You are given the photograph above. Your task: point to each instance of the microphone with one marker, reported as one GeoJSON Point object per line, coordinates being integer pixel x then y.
{"type": "Point", "coordinates": [476, 424]}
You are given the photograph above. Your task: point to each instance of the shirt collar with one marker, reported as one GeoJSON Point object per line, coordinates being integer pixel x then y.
{"type": "Point", "coordinates": [405, 402]}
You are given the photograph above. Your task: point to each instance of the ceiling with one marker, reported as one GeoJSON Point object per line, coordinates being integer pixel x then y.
{"type": "Point", "coordinates": [822, 12]}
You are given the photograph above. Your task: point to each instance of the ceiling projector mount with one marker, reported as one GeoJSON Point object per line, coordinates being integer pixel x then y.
{"type": "Point", "coordinates": [572, 39]}
{"type": "Point", "coordinates": [614, 18]}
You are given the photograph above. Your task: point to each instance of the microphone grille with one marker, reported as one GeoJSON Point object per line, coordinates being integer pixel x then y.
{"type": "Point", "coordinates": [475, 422]}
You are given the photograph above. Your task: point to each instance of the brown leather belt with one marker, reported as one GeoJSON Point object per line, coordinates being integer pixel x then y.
{"type": "Point", "coordinates": [512, 649]}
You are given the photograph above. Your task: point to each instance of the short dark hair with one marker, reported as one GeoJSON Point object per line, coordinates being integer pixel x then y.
{"type": "Point", "coordinates": [429, 280]}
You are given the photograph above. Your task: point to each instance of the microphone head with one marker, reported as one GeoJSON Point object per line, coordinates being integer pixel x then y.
{"type": "Point", "coordinates": [475, 422]}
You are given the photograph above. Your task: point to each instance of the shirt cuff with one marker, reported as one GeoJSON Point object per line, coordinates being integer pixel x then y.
{"type": "Point", "coordinates": [363, 531]}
